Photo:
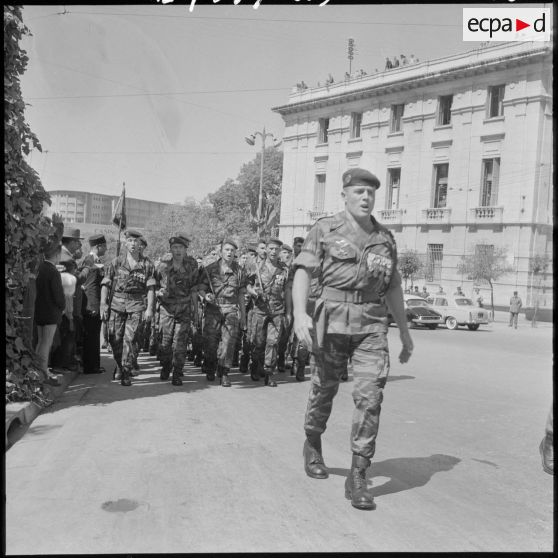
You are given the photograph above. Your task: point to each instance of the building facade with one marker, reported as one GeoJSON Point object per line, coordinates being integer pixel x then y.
{"type": "Point", "coordinates": [463, 148]}
{"type": "Point", "coordinates": [98, 209]}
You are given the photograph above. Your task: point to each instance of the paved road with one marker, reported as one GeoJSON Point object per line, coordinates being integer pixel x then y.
{"type": "Point", "coordinates": [202, 468]}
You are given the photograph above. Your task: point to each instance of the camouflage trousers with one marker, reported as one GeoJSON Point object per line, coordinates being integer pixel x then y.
{"type": "Point", "coordinates": [220, 332]}
{"type": "Point", "coordinates": [122, 333]}
{"type": "Point", "coordinates": [283, 345]}
{"type": "Point", "coordinates": [266, 332]}
{"type": "Point", "coordinates": [174, 330]}
{"type": "Point", "coordinates": [370, 360]}
{"type": "Point", "coordinates": [245, 339]}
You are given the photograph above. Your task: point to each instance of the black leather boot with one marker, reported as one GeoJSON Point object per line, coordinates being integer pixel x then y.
{"type": "Point", "coordinates": [165, 371]}
{"type": "Point", "coordinates": [313, 461]}
{"type": "Point", "coordinates": [547, 454]}
{"type": "Point", "coordinates": [126, 380]}
{"type": "Point", "coordinates": [254, 372]}
{"type": "Point", "coordinates": [225, 381]}
{"type": "Point", "coordinates": [355, 485]}
{"type": "Point", "coordinates": [269, 378]}
{"type": "Point", "coordinates": [176, 379]}
{"type": "Point", "coordinates": [300, 372]}
{"type": "Point", "coordinates": [243, 365]}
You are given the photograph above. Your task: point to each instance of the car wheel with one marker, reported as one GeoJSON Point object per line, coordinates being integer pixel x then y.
{"type": "Point", "coordinates": [473, 327]}
{"type": "Point", "coordinates": [451, 322]}
{"type": "Point", "coordinates": [432, 326]}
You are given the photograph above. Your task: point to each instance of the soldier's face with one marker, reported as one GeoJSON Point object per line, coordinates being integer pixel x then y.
{"type": "Point", "coordinates": [101, 250]}
{"type": "Point", "coordinates": [178, 250]}
{"type": "Point", "coordinates": [273, 252]}
{"type": "Point", "coordinates": [285, 256]}
{"type": "Point", "coordinates": [297, 247]}
{"type": "Point", "coordinates": [227, 253]}
{"type": "Point", "coordinates": [243, 259]}
{"type": "Point", "coordinates": [133, 245]}
{"type": "Point", "coordinates": [359, 199]}
{"type": "Point", "coordinates": [262, 249]}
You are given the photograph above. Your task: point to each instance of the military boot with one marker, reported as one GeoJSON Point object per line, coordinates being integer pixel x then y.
{"type": "Point", "coordinates": [126, 378]}
{"type": "Point", "coordinates": [243, 364]}
{"type": "Point", "coordinates": [165, 371]}
{"type": "Point", "coordinates": [225, 381]}
{"type": "Point", "coordinates": [176, 379]}
{"type": "Point", "coordinates": [198, 360]}
{"type": "Point", "coordinates": [300, 368]}
{"type": "Point", "coordinates": [355, 485]}
{"type": "Point", "coordinates": [269, 378]}
{"type": "Point", "coordinates": [117, 373]}
{"type": "Point", "coordinates": [313, 461]}
{"type": "Point", "coordinates": [546, 449]}
{"type": "Point", "coordinates": [254, 371]}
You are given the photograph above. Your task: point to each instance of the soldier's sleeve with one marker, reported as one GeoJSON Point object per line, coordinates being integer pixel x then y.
{"type": "Point", "coordinates": [151, 281]}
{"type": "Point", "coordinates": [109, 273]}
{"type": "Point", "coordinates": [311, 254]}
{"type": "Point", "coordinates": [395, 279]}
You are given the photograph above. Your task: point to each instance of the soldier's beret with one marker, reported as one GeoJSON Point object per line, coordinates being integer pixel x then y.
{"type": "Point", "coordinates": [251, 248]}
{"type": "Point", "coordinates": [352, 177]}
{"type": "Point", "coordinates": [143, 241]}
{"type": "Point", "coordinates": [132, 233]}
{"type": "Point", "coordinates": [286, 247]}
{"type": "Point", "coordinates": [298, 239]}
{"type": "Point", "coordinates": [179, 239]}
{"type": "Point", "coordinates": [231, 242]}
{"type": "Point", "coordinates": [97, 239]}
{"type": "Point", "coordinates": [275, 241]}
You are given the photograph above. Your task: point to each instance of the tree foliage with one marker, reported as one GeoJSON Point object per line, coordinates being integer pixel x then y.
{"type": "Point", "coordinates": [25, 233]}
{"type": "Point", "coordinates": [409, 264]}
{"type": "Point", "coordinates": [486, 263]}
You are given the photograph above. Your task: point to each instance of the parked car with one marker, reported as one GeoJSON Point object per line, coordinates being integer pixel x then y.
{"type": "Point", "coordinates": [419, 312]}
{"type": "Point", "coordinates": [459, 310]}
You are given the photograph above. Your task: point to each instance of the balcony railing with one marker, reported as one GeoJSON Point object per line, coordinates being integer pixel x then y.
{"type": "Point", "coordinates": [391, 216]}
{"type": "Point", "coordinates": [436, 215]}
{"type": "Point", "coordinates": [316, 214]}
{"type": "Point", "coordinates": [487, 214]}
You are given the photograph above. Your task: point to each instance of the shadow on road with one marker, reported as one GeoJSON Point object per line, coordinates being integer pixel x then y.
{"type": "Point", "coordinates": [405, 473]}
{"type": "Point", "coordinates": [400, 377]}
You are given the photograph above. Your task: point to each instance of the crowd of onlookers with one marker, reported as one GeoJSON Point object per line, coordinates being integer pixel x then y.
{"type": "Point", "coordinates": [391, 63]}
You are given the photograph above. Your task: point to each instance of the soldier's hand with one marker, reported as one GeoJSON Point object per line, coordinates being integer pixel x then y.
{"type": "Point", "coordinates": [104, 312]}
{"type": "Point", "coordinates": [408, 346]}
{"type": "Point", "coordinates": [302, 326]}
{"type": "Point", "coordinates": [209, 297]}
{"type": "Point", "coordinates": [148, 315]}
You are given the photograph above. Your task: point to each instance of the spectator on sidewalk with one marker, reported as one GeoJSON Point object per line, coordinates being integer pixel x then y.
{"type": "Point", "coordinates": [49, 306]}
{"type": "Point", "coordinates": [458, 292]}
{"type": "Point", "coordinates": [515, 307]}
{"type": "Point", "coordinates": [425, 293]}
{"type": "Point", "coordinates": [389, 65]}
{"type": "Point", "coordinates": [478, 298]}
{"type": "Point", "coordinates": [395, 62]}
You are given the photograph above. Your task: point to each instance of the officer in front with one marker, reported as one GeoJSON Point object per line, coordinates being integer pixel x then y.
{"type": "Point", "coordinates": [355, 258]}
{"type": "Point", "coordinates": [130, 276]}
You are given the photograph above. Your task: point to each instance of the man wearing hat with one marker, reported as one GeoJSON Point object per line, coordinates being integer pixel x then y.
{"type": "Point", "coordinates": [298, 241]}
{"type": "Point", "coordinates": [355, 260]}
{"type": "Point", "coordinates": [71, 244]}
{"type": "Point", "coordinates": [131, 276]}
{"type": "Point", "coordinates": [91, 274]}
{"type": "Point", "coordinates": [270, 284]}
{"type": "Point", "coordinates": [222, 284]}
{"type": "Point", "coordinates": [176, 279]}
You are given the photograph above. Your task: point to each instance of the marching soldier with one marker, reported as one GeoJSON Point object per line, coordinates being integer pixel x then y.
{"type": "Point", "coordinates": [246, 333]}
{"type": "Point", "coordinates": [222, 285]}
{"type": "Point", "coordinates": [129, 276]}
{"type": "Point", "coordinates": [285, 256]}
{"type": "Point", "coordinates": [91, 274]}
{"type": "Point", "coordinates": [355, 259]}
{"type": "Point", "coordinates": [138, 342]}
{"type": "Point", "coordinates": [176, 278]}
{"type": "Point", "coordinates": [271, 285]}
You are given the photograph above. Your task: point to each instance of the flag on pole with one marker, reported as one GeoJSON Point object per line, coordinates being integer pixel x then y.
{"type": "Point", "coordinates": [119, 216]}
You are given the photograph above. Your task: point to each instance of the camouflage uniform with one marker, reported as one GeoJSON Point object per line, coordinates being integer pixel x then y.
{"type": "Point", "coordinates": [268, 314]}
{"type": "Point", "coordinates": [355, 271]}
{"type": "Point", "coordinates": [175, 313]}
{"type": "Point", "coordinates": [198, 310]}
{"type": "Point", "coordinates": [127, 306]}
{"type": "Point", "coordinates": [222, 316]}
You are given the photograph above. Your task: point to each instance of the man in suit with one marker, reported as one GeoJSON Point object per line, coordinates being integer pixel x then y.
{"type": "Point", "coordinates": [91, 274]}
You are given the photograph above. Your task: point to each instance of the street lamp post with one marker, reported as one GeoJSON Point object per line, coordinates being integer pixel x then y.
{"type": "Point", "coordinates": [251, 140]}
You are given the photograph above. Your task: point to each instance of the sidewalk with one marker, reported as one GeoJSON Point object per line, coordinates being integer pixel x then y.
{"type": "Point", "coordinates": [23, 413]}
{"type": "Point", "coordinates": [503, 318]}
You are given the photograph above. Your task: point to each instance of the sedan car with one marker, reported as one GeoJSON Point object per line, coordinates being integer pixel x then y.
{"type": "Point", "coordinates": [459, 310]}
{"type": "Point", "coordinates": [419, 312]}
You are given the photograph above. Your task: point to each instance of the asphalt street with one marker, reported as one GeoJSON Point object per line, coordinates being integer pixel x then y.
{"type": "Point", "coordinates": [201, 468]}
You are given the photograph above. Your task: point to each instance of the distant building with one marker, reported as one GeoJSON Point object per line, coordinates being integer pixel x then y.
{"type": "Point", "coordinates": [462, 146]}
{"type": "Point", "coordinates": [98, 209]}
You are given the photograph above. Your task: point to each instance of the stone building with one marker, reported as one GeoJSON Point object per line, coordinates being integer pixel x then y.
{"type": "Point", "coordinates": [462, 146]}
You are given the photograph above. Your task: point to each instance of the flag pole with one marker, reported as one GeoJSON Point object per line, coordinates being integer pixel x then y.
{"type": "Point", "coordinates": [120, 224]}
